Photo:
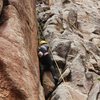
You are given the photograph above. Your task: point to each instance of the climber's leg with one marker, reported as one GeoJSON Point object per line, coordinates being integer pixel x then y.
{"type": "Point", "coordinates": [53, 71]}
{"type": "Point", "coordinates": [41, 73]}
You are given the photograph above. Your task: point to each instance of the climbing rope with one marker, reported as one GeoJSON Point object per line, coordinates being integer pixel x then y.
{"type": "Point", "coordinates": [73, 26]}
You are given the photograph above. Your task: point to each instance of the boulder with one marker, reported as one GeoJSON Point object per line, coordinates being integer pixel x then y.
{"type": "Point", "coordinates": [67, 92]}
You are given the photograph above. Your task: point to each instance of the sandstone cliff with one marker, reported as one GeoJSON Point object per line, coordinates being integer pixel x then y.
{"type": "Point", "coordinates": [19, 70]}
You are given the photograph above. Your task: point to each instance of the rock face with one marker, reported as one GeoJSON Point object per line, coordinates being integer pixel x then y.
{"type": "Point", "coordinates": [66, 92]}
{"type": "Point", "coordinates": [73, 33]}
{"type": "Point", "coordinates": [1, 5]}
{"type": "Point", "coordinates": [19, 70]}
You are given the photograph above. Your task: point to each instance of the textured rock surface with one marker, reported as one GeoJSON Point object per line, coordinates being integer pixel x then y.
{"type": "Point", "coordinates": [1, 5]}
{"type": "Point", "coordinates": [48, 84]}
{"type": "Point", "coordinates": [73, 32]}
{"type": "Point", "coordinates": [19, 73]}
{"type": "Point", "coordinates": [66, 92]}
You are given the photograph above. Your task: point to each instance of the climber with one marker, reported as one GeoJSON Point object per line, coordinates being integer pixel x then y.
{"type": "Point", "coordinates": [45, 61]}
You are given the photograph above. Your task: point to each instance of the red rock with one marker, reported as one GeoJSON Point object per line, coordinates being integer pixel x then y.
{"type": "Point", "coordinates": [19, 70]}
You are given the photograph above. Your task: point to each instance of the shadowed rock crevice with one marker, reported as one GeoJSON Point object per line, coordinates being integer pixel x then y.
{"type": "Point", "coordinates": [6, 2]}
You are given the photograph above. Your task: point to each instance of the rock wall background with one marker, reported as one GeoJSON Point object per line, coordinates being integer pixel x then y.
{"type": "Point", "coordinates": [72, 29]}
{"type": "Point", "coordinates": [19, 70]}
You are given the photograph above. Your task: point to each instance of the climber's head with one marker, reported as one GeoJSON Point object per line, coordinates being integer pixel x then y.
{"type": "Point", "coordinates": [43, 42]}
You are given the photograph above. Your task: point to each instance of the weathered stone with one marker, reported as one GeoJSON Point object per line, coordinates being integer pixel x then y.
{"type": "Point", "coordinates": [56, 21]}
{"type": "Point", "coordinates": [77, 73]}
{"type": "Point", "coordinates": [58, 58]}
{"type": "Point", "coordinates": [72, 19]}
{"type": "Point", "coordinates": [48, 83]}
{"type": "Point", "coordinates": [96, 42]}
{"type": "Point", "coordinates": [19, 71]}
{"type": "Point", "coordinates": [94, 94]}
{"type": "Point", "coordinates": [46, 1]}
{"type": "Point", "coordinates": [66, 92]}
{"type": "Point", "coordinates": [41, 93]}
{"type": "Point", "coordinates": [61, 46]}
{"type": "Point", "coordinates": [44, 16]}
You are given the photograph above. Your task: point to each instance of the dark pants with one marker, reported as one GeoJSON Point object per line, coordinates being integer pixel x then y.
{"type": "Point", "coordinates": [47, 65]}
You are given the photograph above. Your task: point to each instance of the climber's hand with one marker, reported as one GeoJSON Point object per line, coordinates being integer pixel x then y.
{"type": "Point", "coordinates": [40, 54]}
